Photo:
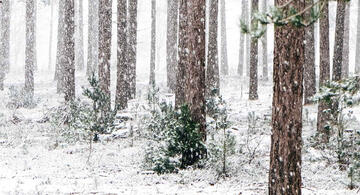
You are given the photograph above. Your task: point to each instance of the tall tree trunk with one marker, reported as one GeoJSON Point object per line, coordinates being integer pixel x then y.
{"type": "Point", "coordinates": [105, 24]}
{"type": "Point", "coordinates": [212, 74]}
{"type": "Point", "coordinates": [153, 42]}
{"type": "Point", "coordinates": [171, 42]}
{"type": "Point", "coordinates": [265, 72]}
{"type": "Point", "coordinates": [242, 57]}
{"type": "Point", "coordinates": [2, 68]}
{"type": "Point", "coordinates": [122, 88]}
{"type": "Point", "coordinates": [93, 38]}
{"type": "Point", "coordinates": [51, 34]}
{"type": "Point", "coordinates": [132, 44]}
{"type": "Point", "coordinates": [182, 63]}
{"type": "Point", "coordinates": [248, 40]}
{"type": "Point", "coordinates": [339, 40]}
{"type": "Point", "coordinates": [68, 59]}
{"type": "Point", "coordinates": [357, 57]}
{"type": "Point", "coordinates": [80, 37]}
{"type": "Point", "coordinates": [322, 116]}
{"type": "Point", "coordinates": [224, 56]}
{"type": "Point", "coordinates": [253, 84]}
{"type": "Point", "coordinates": [60, 47]}
{"type": "Point", "coordinates": [309, 68]}
{"type": "Point", "coordinates": [5, 34]}
{"type": "Point", "coordinates": [286, 141]}
{"type": "Point", "coordinates": [30, 57]}
{"type": "Point", "coordinates": [346, 49]}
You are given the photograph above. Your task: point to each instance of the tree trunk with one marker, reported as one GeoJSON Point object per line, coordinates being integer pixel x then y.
{"type": "Point", "coordinates": [30, 57]}
{"type": "Point", "coordinates": [105, 24]}
{"type": "Point", "coordinates": [122, 88]}
{"type": "Point", "coordinates": [132, 47]}
{"type": "Point", "coordinates": [309, 68]}
{"type": "Point", "coordinates": [224, 57]}
{"type": "Point", "coordinates": [346, 49]}
{"type": "Point", "coordinates": [93, 37]}
{"type": "Point", "coordinates": [253, 84]}
{"type": "Point", "coordinates": [248, 40]}
{"type": "Point", "coordinates": [80, 37]}
{"type": "Point", "coordinates": [265, 72]}
{"type": "Point", "coordinates": [153, 42]}
{"type": "Point", "coordinates": [171, 43]}
{"type": "Point", "coordinates": [244, 13]}
{"type": "Point", "coordinates": [357, 57]}
{"type": "Point", "coordinates": [5, 34]}
{"type": "Point", "coordinates": [212, 74]}
{"type": "Point", "coordinates": [68, 59]}
{"type": "Point", "coordinates": [51, 34]}
{"type": "Point", "coordinates": [2, 68]}
{"type": "Point", "coordinates": [324, 71]}
{"type": "Point", "coordinates": [286, 141]}
{"type": "Point", "coordinates": [339, 40]}
{"type": "Point", "coordinates": [60, 47]}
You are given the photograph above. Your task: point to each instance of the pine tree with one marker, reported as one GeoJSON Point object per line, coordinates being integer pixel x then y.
{"type": "Point", "coordinates": [5, 34]}
{"type": "Point", "coordinates": [93, 37]}
{"type": "Point", "coordinates": [242, 57]}
{"type": "Point", "coordinates": [132, 45]}
{"type": "Point", "coordinates": [253, 84]}
{"type": "Point", "coordinates": [80, 37]}
{"type": "Point", "coordinates": [224, 55]}
{"type": "Point", "coordinates": [346, 49]}
{"type": "Point", "coordinates": [60, 47]}
{"type": "Point", "coordinates": [286, 141]}
{"type": "Point", "coordinates": [153, 42]}
{"type": "Point", "coordinates": [30, 57]}
{"type": "Point", "coordinates": [357, 57]}
{"type": "Point", "coordinates": [265, 71]}
{"type": "Point", "coordinates": [339, 40]}
{"type": "Point", "coordinates": [247, 21]}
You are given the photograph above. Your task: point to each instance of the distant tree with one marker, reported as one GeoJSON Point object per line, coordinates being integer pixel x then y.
{"type": "Point", "coordinates": [132, 45]}
{"type": "Point", "coordinates": [52, 4]}
{"type": "Point", "coordinates": [247, 21]}
{"type": "Point", "coordinates": [122, 88]}
{"type": "Point", "coordinates": [105, 24]}
{"type": "Point", "coordinates": [339, 40]}
{"type": "Point", "coordinates": [265, 71]}
{"type": "Point", "coordinates": [5, 34]}
{"type": "Point", "coordinates": [212, 71]}
{"type": "Point", "coordinates": [171, 42]}
{"type": "Point", "coordinates": [346, 49]}
{"type": "Point", "coordinates": [242, 57]}
{"type": "Point", "coordinates": [224, 55]}
{"type": "Point", "coordinates": [309, 67]}
{"type": "Point", "coordinates": [153, 42]}
{"type": "Point", "coordinates": [68, 59]}
{"type": "Point", "coordinates": [30, 57]}
{"type": "Point", "coordinates": [93, 37]}
{"type": "Point", "coordinates": [357, 57]}
{"type": "Point", "coordinates": [80, 37]}
{"type": "Point", "coordinates": [253, 84]}
{"type": "Point", "coordinates": [60, 47]}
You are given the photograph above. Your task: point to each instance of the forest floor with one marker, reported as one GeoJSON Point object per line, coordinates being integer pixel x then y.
{"type": "Point", "coordinates": [33, 162]}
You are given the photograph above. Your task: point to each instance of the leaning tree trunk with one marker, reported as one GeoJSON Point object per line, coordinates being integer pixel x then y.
{"type": "Point", "coordinates": [286, 141]}
{"type": "Point", "coordinates": [212, 74]}
{"type": "Point", "coordinates": [80, 37]}
{"type": "Point", "coordinates": [323, 116]}
{"type": "Point", "coordinates": [339, 40]}
{"type": "Point", "coordinates": [105, 24]}
{"type": "Point", "coordinates": [253, 84]}
{"type": "Point", "coordinates": [346, 49]}
{"type": "Point", "coordinates": [122, 88]}
{"type": "Point", "coordinates": [244, 13]}
{"type": "Point", "coordinates": [68, 59]}
{"type": "Point", "coordinates": [309, 68]}
{"type": "Point", "coordinates": [30, 55]}
{"type": "Point", "coordinates": [132, 45]}
{"type": "Point", "coordinates": [171, 43]}
{"type": "Point", "coordinates": [153, 42]}
{"type": "Point", "coordinates": [357, 57]}
{"type": "Point", "coordinates": [224, 56]}
{"type": "Point", "coordinates": [265, 72]}
{"type": "Point", "coordinates": [60, 48]}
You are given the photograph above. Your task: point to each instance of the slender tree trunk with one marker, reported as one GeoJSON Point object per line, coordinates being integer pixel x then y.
{"type": "Point", "coordinates": [242, 58]}
{"type": "Point", "coordinates": [357, 57]}
{"type": "Point", "coordinates": [171, 43]}
{"type": "Point", "coordinates": [93, 38]}
{"type": "Point", "coordinates": [309, 68]}
{"type": "Point", "coordinates": [346, 49]}
{"type": "Point", "coordinates": [265, 72]}
{"type": "Point", "coordinates": [224, 56]}
{"type": "Point", "coordinates": [324, 71]}
{"type": "Point", "coordinates": [253, 84]}
{"type": "Point", "coordinates": [286, 141]}
{"type": "Point", "coordinates": [132, 44]}
{"type": "Point", "coordinates": [248, 40]}
{"type": "Point", "coordinates": [80, 37]}
{"type": "Point", "coordinates": [60, 48]}
{"type": "Point", "coordinates": [122, 88]}
{"type": "Point", "coordinates": [339, 40]}
{"type": "Point", "coordinates": [5, 34]}
{"type": "Point", "coordinates": [153, 42]}
{"type": "Point", "coordinates": [2, 68]}
{"type": "Point", "coordinates": [30, 47]}
{"type": "Point", "coordinates": [51, 34]}
{"type": "Point", "coordinates": [212, 74]}
{"type": "Point", "coordinates": [105, 23]}
{"type": "Point", "coordinates": [68, 59]}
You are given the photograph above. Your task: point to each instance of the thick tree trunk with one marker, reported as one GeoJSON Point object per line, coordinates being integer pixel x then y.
{"type": "Point", "coordinates": [51, 34]}
{"type": "Point", "coordinates": [339, 40]}
{"type": "Point", "coordinates": [286, 141]}
{"type": "Point", "coordinates": [244, 10]}
{"type": "Point", "coordinates": [253, 84]}
{"type": "Point", "coordinates": [346, 49]}
{"type": "Point", "coordinates": [68, 59]}
{"type": "Point", "coordinates": [132, 47]}
{"type": "Point", "coordinates": [80, 37]}
{"type": "Point", "coordinates": [224, 56]}
{"type": "Point", "coordinates": [105, 24]}
{"type": "Point", "coordinates": [30, 55]}
{"type": "Point", "coordinates": [265, 72]}
{"type": "Point", "coordinates": [324, 70]}
{"type": "Point", "coordinates": [309, 68]}
{"type": "Point", "coordinates": [171, 43]}
{"type": "Point", "coordinates": [122, 88]}
{"type": "Point", "coordinates": [153, 42]}
{"type": "Point", "coordinates": [357, 57]}
{"type": "Point", "coordinates": [93, 37]}
{"type": "Point", "coordinates": [60, 47]}
{"type": "Point", "coordinates": [212, 74]}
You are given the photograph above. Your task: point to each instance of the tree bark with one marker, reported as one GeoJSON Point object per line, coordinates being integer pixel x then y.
{"type": "Point", "coordinates": [339, 40]}
{"type": "Point", "coordinates": [80, 37]}
{"type": "Point", "coordinates": [346, 49]}
{"type": "Point", "coordinates": [322, 116]}
{"type": "Point", "coordinates": [286, 141]}
{"type": "Point", "coordinates": [5, 34]}
{"type": "Point", "coordinates": [153, 42]}
{"type": "Point", "coordinates": [265, 72]}
{"type": "Point", "coordinates": [357, 57]}
{"type": "Point", "coordinates": [248, 40]}
{"type": "Point", "coordinates": [93, 37]}
{"type": "Point", "coordinates": [242, 57]}
{"type": "Point", "coordinates": [60, 47]}
{"type": "Point", "coordinates": [224, 55]}
{"type": "Point", "coordinates": [30, 55]}
{"type": "Point", "coordinates": [122, 88]}
{"type": "Point", "coordinates": [132, 44]}
{"type": "Point", "coordinates": [171, 43]}
{"type": "Point", "coordinates": [253, 84]}
{"type": "Point", "coordinates": [212, 74]}
{"type": "Point", "coordinates": [309, 68]}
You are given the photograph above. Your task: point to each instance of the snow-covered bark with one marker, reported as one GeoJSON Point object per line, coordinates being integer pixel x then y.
{"type": "Point", "coordinates": [242, 57]}
{"type": "Point", "coordinates": [264, 41]}
{"type": "Point", "coordinates": [357, 58]}
{"type": "Point", "coordinates": [93, 37]}
{"type": "Point", "coordinates": [346, 49]}
{"type": "Point", "coordinates": [132, 47]}
{"type": "Point", "coordinates": [4, 41]}
{"type": "Point", "coordinates": [79, 57]}
{"type": "Point", "coordinates": [171, 42]}
{"type": "Point", "coordinates": [153, 42]}
{"type": "Point", "coordinates": [30, 54]}
{"type": "Point", "coordinates": [224, 54]}
{"type": "Point", "coordinates": [339, 40]}
{"type": "Point", "coordinates": [60, 47]}
{"type": "Point", "coordinates": [253, 84]}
